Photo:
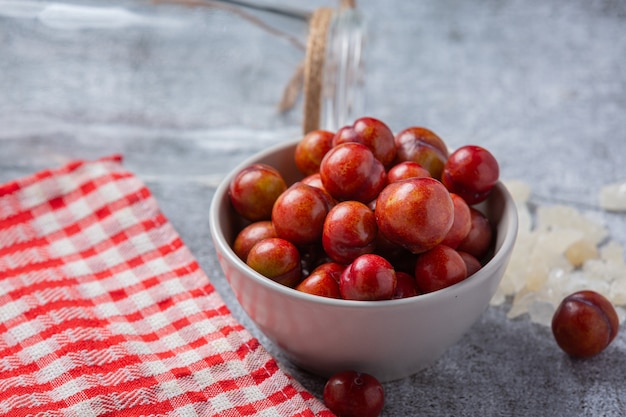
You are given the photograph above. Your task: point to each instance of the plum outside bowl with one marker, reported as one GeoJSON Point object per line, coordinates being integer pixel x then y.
{"type": "Point", "coordinates": [388, 339]}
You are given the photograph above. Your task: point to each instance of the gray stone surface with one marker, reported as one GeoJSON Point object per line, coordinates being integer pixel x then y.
{"type": "Point", "coordinates": [189, 92]}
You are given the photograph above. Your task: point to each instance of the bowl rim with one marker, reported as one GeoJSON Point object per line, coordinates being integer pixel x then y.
{"type": "Point", "coordinates": [223, 245]}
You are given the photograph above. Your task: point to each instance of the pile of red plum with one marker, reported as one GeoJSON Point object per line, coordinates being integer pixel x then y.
{"type": "Point", "coordinates": [376, 216]}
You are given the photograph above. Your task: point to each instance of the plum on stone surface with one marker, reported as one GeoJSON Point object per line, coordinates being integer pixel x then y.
{"type": "Point", "coordinates": [354, 394]}
{"type": "Point", "coordinates": [584, 324]}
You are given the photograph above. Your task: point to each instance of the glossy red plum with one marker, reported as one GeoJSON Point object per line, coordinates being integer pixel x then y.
{"type": "Point", "coordinates": [250, 235]}
{"type": "Point", "coordinates": [323, 280]}
{"type": "Point", "coordinates": [254, 190]}
{"type": "Point", "coordinates": [350, 171]}
{"type": "Point", "coordinates": [471, 172]}
{"type": "Point", "coordinates": [423, 146]}
{"type": "Point", "coordinates": [349, 231]}
{"type": "Point", "coordinates": [461, 225]}
{"type": "Point", "coordinates": [439, 268]}
{"type": "Point", "coordinates": [372, 133]}
{"type": "Point", "coordinates": [416, 213]}
{"type": "Point", "coordinates": [368, 277]}
{"type": "Point", "coordinates": [478, 240]}
{"type": "Point", "coordinates": [277, 259]}
{"type": "Point", "coordinates": [299, 213]}
{"type": "Point", "coordinates": [354, 394]}
{"type": "Point", "coordinates": [311, 150]}
{"type": "Point", "coordinates": [405, 170]}
{"type": "Point", "coordinates": [584, 324]}
{"type": "Point", "coordinates": [406, 285]}
{"type": "Point", "coordinates": [472, 264]}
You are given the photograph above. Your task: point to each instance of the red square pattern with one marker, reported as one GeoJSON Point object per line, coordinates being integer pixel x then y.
{"type": "Point", "coordinates": [105, 312]}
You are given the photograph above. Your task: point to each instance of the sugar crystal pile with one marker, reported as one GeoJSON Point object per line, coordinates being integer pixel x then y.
{"type": "Point", "coordinates": [613, 197]}
{"type": "Point", "coordinates": [559, 250]}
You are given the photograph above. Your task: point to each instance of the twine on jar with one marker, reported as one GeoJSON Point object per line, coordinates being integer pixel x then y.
{"type": "Point", "coordinates": [343, 4]}
{"type": "Point", "coordinates": [314, 67]}
{"type": "Point", "coordinates": [308, 76]}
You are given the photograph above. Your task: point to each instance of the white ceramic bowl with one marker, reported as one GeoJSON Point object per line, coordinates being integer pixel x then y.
{"type": "Point", "coordinates": [388, 339]}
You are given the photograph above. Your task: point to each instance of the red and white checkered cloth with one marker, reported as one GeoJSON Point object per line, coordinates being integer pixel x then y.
{"type": "Point", "coordinates": [105, 312]}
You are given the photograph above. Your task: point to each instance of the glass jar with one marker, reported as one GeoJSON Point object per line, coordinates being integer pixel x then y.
{"type": "Point", "coordinates": [342, 92]}
{"type": "Point", "coordinates": [179, 64]}
{"type": "Point", "coordinates": [331, 74]}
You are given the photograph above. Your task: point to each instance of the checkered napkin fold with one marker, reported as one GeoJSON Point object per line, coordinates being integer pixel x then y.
{"type": "Point", "coordinates": [105, 312]}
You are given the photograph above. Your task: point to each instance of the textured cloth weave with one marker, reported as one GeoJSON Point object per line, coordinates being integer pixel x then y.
{"type": "Point", "coordinates": [105, 312]}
